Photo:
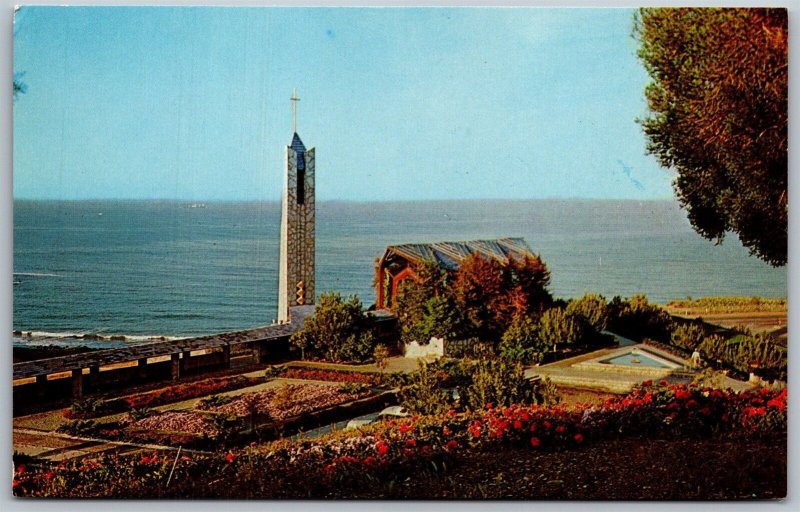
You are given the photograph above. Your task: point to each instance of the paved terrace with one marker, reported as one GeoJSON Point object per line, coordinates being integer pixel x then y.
{"type": "Point", "coordinates": [177, 351]}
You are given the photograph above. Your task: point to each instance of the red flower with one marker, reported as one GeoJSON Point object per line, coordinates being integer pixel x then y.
{"type": "Point", "coordinates": [561, 429]}
{"type": "Point", "coordinates": [547, 425]}
{"type": "Point", "coordinates": [49, 475]}
{"type": "Point", "coordinates": [490, 405]}
{"type": "Point", "coordinates": [535, 442]}
{"type": "Point", "coordinates": [15, 484]}
{"type": "Point", "coordinates": [230, 457]}
{"type": "Point", "coordinates": [446, 431]}
{"type": "Point", "coordinates": [662, 383]}
{"type": "Point", "coordinates": [370, 461]}
{"type": "Point", "coordinates": [411, 443]}
{"type": "Point", "coordinates": [578, 437]}
{"type": "Point", "coordinates": [20, 469]}
{"type": "Point", "coordinates": [647, 383]}
{"type": "Point", "coordinates": [682, 394]}
{"type": "Point", "coordinates": [408, 452]}
{"type": "Point", "coordinates": [525, 416]}
{"type": "Point", "coordinates": [381, 448]}
{"type": "Point", "coordinates": [517, 425]}
{"type": "Point", "coordinates": [405, 428]}
{"type": "Point", "coordinates": [452, 445]}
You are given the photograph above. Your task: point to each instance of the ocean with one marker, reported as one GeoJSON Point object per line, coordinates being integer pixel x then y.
{"type": "Point", "coordinates": [147, 269]}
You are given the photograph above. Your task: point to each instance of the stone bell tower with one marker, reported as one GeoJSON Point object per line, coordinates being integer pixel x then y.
{"type": "Point", "coordinates": [296, 272]}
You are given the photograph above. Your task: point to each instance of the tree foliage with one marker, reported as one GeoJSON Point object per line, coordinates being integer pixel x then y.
{"type": "Point", "coordinates": [558, 328]}
{"type": "Point", "coordinates": [637, 318]}
{"type": "Point", "coordinates": [718, 116]}
{"type": "Point", "coordinates": [499, 383]}
{"type": "Point", "coordinates": [688, 336]}
{"type": "Point", "coordinates": [480, 299]}
{"type": "Point", "coordinates": [521, 341]}
{"type": "Point", "coordinates": [593, 309]}
{"type": "Point", "coordinates": [338, 331]}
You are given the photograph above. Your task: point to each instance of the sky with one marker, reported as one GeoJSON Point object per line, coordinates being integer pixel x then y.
{"type": "Point", "coordinates": [192, 103]}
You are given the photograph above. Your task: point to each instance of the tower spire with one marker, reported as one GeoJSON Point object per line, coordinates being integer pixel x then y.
{"type": "Point", "coordinates": [294, 99]}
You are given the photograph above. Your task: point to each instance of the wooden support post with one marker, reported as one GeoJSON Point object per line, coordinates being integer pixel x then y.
{"type": "Point", "coordinates": [141, 369]}
{"type": "Point", "coordinates": [258, 352]}
{"type": "Point", "coordinates": [176, 366]}
{"type": "Point", "coordinates": [41, 385]}
{"type": "Point", "coordinates": [94, 372]}
{"type": "Point", "coordinates": [77, 384]}
{"type": "Point", "coordinates": [226, 356]}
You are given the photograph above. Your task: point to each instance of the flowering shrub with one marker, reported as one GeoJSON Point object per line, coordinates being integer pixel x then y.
{"type": "Point", "coordinates": [401, 445]}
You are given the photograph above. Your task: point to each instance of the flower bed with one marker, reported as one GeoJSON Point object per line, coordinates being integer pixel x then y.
{"type": "Point", "coordinates": [183, 422]}
{"type": "Point", "coordinates": [286, 402]}
{"type": "Point", "coordinates": [331, 376]}
{"type": "Point", "coordinates": [163, 396]}
{"type": "Point", "coordinates": [403, 447]}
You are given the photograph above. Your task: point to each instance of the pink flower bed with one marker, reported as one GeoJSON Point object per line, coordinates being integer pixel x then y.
{"type": "Point", "coordinates": [297, 399]}
{"type": "Point", "coordinates": [177, 421]}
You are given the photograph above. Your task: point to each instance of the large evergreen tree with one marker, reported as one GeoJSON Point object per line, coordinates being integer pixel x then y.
{"type": "Point", "coordinates": [718, 104]}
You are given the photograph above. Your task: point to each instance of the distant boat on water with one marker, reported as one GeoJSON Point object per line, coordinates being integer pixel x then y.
{"type": "Point", "coordinates": [197, 205]}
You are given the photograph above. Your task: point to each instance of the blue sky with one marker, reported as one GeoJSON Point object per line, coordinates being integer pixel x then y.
{"type": "Point", "coordinates": [193, 103]}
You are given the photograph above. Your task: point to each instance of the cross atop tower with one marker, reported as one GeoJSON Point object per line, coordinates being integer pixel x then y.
{"type": "Point", "coordinates": [294, 99]}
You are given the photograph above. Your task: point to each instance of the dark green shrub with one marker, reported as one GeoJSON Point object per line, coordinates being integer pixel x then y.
{"type": "Point", "coordinates": [352, 388]}
{"type": "Point", "coordinates": [636, 318]}
{"type": "Point", "coordinates": [141, 412]}
{"type": "Point", "coordinates": [79, 428]}
{"type": "Point", "coordinates": [214, 401]}
{"type": "Point", "coordinates": [274, 371]}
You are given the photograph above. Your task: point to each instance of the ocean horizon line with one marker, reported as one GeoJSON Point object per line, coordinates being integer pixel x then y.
{"type": "Point", "coordinates": [349, 201]}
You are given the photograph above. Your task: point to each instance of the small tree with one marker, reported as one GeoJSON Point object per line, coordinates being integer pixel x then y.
{"type": "Point", "coordinates": [338, 331]}
{"type": "Point", "coordinates": [557, 328]}
{"type": "Point", "coordinates": [424, 392]}
{"type": "Point", "coordinates": [500, 383]}
{"type": "Point", "coordinates": [593, 309]}
{"type": "Point", "coordinates": [521, 343]}
{"type": "Point", "coordinates": [478, 290]}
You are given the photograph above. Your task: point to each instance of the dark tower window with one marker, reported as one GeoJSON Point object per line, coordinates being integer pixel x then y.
{"type": "Point", "coordinates": [301, 186]}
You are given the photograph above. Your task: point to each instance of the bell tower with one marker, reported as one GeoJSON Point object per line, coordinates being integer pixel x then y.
{"type": "Point", "coordinates": [296, 278]}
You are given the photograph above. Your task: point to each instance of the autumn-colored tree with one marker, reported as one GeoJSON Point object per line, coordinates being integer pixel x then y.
{"type": "Point", "coordinates": [526, 287]}
{"type": "Point", "coordinates": [479, 289]}
{"type": "Point", "coordinates": [718, 104]}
